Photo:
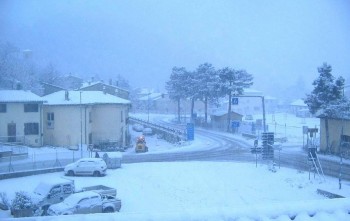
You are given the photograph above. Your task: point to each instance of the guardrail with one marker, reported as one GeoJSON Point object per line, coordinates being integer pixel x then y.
{"type": "Point", "coordinates": [167, 133]}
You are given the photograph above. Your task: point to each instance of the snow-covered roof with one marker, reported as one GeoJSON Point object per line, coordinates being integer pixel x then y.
{"type": "Point", "coordinates": [298, 102]}
{"type": "Point", "coordinates": [87, 97]}
{"type": "Point", "coordinates": [151, 96]}
{"type": "Point", "coordinates": [252, 92]}
{"type": "Point", "coordinates": [219, 113]}
{"type": "Point", "coordinates": [19, 96]}
{"type": "Point", "coordinates": [89, 84]}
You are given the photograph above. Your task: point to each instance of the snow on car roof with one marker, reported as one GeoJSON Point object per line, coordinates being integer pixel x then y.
{"type": "Point", "coordinates": [76, 197]}
{"type": "Point", "coordinates": [18, 96]}
{"type": "Point", "coordinates": [91, 159]}
{"type": "Point", "coordinates": [87, 97]}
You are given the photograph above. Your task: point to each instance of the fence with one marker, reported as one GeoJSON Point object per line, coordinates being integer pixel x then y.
{"type": "Point", "coordinates": [167, 133]}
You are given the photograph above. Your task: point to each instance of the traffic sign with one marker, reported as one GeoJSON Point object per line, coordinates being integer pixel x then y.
{"type": "Point", "coordinates": [190, 131]}
{"type": "Point", "coordinates": [235, 101]}
{"type": "Point", "coordinates": [235, 124]}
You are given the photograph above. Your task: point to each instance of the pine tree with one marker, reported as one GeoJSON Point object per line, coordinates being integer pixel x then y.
{"type": "Point", "coordinates": [234, 82]}
{"type": "Point", "coordinates": [176, 86]}
{"type": "Point", "coordinates": [207, 81]}
{"type": "Point", "coordinates": [327, 96]}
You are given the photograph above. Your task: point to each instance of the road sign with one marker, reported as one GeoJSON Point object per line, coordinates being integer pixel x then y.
{"type": "Point", "coordinates": [235, 101]}
{"type": "Point", "coordinates": [190, 131]}
{"type": "Point", "coordinates": [235, 124]}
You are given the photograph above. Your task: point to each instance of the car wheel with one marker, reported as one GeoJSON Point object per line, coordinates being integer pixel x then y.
{"type": "Point", "coordinates": [108, 210]}
{"type": "Point", "coordinates": [70, 173]}
{"type": "Point", "coordinates": [97, 173]}
{"type": "Point", "coordinates": [44, 210]}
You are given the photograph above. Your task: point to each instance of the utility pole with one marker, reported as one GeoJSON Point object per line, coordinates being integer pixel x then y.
{"type": "Point", "coordinates": [81, 129]}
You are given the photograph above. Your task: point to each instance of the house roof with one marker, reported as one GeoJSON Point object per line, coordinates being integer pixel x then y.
{"type": "Point", "coordinates": [222, 113]}
{"type": "Point", "coordinates": [87, 97]}
{"type": "Point", "coordinates": [151, 96]}
{"type": "Point", "coordinates": [19, 96]}
{"type": "Point", "coordinates": [298, 102]}
{"type": "Point", "coordinates": [87, 85]}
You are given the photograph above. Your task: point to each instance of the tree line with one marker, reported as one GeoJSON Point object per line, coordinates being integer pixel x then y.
{"type": "Point", "coordinates": [19, 71]}
{"type": "Point", "coordinates": [206, 84]}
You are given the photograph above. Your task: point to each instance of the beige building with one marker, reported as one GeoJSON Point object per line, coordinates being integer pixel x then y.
{"type": "Point", "coordinates": [87, 117]}
{"type": "Point", "coordinates": [21, 117]}
{"type": "Point", "coordinates": [335, 132]}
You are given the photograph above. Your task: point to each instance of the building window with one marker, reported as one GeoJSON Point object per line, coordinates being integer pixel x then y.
{"type": "Point", "coordinates": [50, 120]}
{"type": "Point", "coordinates": [31, 107]}
{"type": "Point", "coordinates": [31, 129]}
{"type": "Point", "coordinates": [3, 108]}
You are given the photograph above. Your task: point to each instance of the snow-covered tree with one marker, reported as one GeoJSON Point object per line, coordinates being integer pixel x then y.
{"type": "Point", "coordinates": [207, 82]}
{"type": "Point", "coordinates": [176, 86]}
{"type": "Point", "coordinates": [234, 82]}
{"type": "Point", "coordinates": [327, 98]}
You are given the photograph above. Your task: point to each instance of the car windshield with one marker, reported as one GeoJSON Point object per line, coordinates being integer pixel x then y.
{"type": "Point", "coordinates": [42, 189]}
{"type": "Point", "coordinates": [73, 199]}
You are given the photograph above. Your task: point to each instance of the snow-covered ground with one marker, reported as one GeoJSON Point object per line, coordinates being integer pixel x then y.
{"type": "Point", "coordinates": [203, 190]}
{"type": "Point", "coordinates": [206, 188]}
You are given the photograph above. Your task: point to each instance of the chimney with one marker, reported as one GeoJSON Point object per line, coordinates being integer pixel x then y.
{"type": "Point", "coordinates": [66, 95]}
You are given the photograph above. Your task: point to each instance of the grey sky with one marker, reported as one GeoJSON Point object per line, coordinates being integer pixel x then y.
{"type": "Point", "coordinates": [276, 41]}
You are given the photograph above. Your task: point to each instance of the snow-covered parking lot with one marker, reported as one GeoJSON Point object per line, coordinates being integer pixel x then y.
{"type": "Point", "coordinates": [201, 190]}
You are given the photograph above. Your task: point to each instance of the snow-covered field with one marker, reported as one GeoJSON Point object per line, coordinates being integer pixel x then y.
{"type": "Point", "coordinates": [204, 190]}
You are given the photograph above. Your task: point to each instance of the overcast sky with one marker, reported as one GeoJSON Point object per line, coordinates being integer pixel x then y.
{"type": "Point", "coordinates": [279, 42]}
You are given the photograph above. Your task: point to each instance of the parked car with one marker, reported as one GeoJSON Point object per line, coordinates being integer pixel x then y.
{"type": "Point", "coordinates": [49, 192]}
{"type": "Point", "coordinates": [137, 127]}
{"type": "Point", "coordinates": [86, 166]}
{"type": "Point", "coordinates": [147, 131]}
{"type": "Point", "coordinates": [84, 203]}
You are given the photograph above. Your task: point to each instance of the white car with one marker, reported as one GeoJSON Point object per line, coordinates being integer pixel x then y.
{"type": "Point", "coordinates": [84, 203]}
{"type": "Point", "coordinates": [86, 166]}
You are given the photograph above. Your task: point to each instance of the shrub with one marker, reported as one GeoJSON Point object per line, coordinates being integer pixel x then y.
{"type": "Point", "coordinates": [4, 202]}
{"type": "Point", "coordinates": [22, 200]}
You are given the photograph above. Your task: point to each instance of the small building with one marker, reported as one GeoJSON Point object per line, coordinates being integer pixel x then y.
{"type": "Point", "coordinates": [297, 107]}
{"type": "Point", "coordinates": [21, 117]}
{"type": "Point", "coordinates": [339, 129]}
{"type": "Point", "coordinates": [87, 117]}
{"type": "Point", "coordinates": [220, 122]}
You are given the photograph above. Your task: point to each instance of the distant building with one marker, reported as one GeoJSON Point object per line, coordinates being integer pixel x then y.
{"type": "Point", "coordinates": [219, 119]}
{"type": "Point", "coordinates": [21, 117]}
{"type": "Point", "coordinates": [156, 102]}
{"type": "Point", "coordinates": [106, 88]}
{"type": "Point", "coordinates": [90, 117]}
{"type": "Point", "coordinates": [299, 108]}
{"type": "Point", "coordinates": [50, 88]}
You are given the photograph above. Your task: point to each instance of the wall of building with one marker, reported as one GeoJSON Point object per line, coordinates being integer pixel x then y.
{"type": "Point", "coordinates": [15, 114]}
{"type": "Point", "coordinates": [66, 130]}
{"type": "Point", "coordinates": [109, 123]}
{"type": "Point", "coordinates": [335, 130]}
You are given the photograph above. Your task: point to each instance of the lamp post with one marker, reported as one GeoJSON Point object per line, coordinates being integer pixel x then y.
{"type": "Point", "coordinates": [81, 128]}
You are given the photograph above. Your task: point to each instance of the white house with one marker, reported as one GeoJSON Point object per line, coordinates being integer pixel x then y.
{"type": "Point", "coordinates": [21, 117]}
{"type": "Point", "coordinates": [87, 117]}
